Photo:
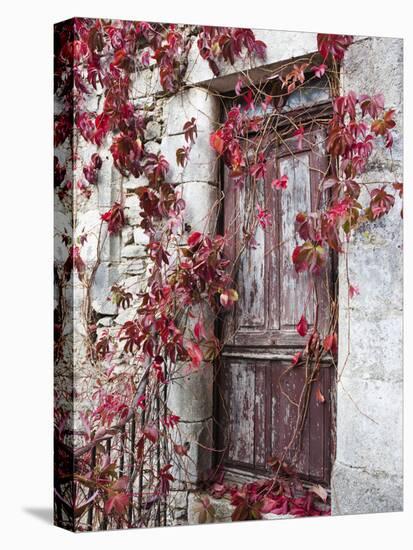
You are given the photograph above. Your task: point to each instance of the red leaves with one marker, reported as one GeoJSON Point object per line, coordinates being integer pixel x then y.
{"type": "Point", "coordinates": [249, 101]}
{"type": "Point", "coordinates": [74, 261]}
{"type": "Point", "coordinates": [167, 57]}
{"type": "Point", "coordinates": [194, 239]}
{"type": "Point", "coordinates": [309, 257]}
{"type": "Point", "coordinates": [246, 506]}
{"type": "Point", "coordinates": [382, 125]}
{"type": "Point", "coordinates": [199, 330]}
{"type": "Point", "coordinates": [171, 420]}
{"type": "Point", "coordinates": [115, 218]}
{"type": "Point", "coordinates": [330, 343]}
{"type": "Point", "coordinates": [165, 477]}
{"type": "Point", "coordinates": [302, 326]}
{"type": "Point", "coordinates": [91, 170]}
{"type": "Point", "coordinates": [190, 130]}
{"type": "Point", "coordinates": [299, 135]}
{"type": "Point", "coordinates": [63, 126]}
{"type": "Point", "coordinates": [353, 291]}
{"type": "Point", "coordinates": [334, 45]}
{"type": "Point", "coordinates": [346, 105]}
{"type": "Point", "coordinates": [133, 336]}
{"type": "Point", "coordinates": [205, 510]}
{"type": "Point", "coordinates": [181, 450]}
{"type": "Point", "coordinates": [264, 217]}
{"type": "Point", "coordinates": [151, 433]}
{"type": "Point", "coordinates": [381, 203]}
{"type": "Point", "coordinates": [373, 105]}
{"type": "Point", "coordinates": [228, 297]}
{"type": "Point", "coordinates": [117, 503]}
{"type": "Point", "coordinates": [127, 153]}
{"type": "Point", "coordinates": [182, 156]}
{"type": "Point", "coordinates": [102, 347]}
{"type": "Point", "coordinates": [59, 172]}
{"type": "Point", "coordinates": [280, 183]}
{"type": "Point", "coordinates": [319, 396]}
{"type": "Point", "coordinates": [252, 500]}
{"type": "Point", "coordinates": [156, 168]}
{"type": "Point", "coordinates": [217, 142]}
{"type": "Point", "coordinates": [319, 70]}
{"type": "Point", "coordinates": [194, 353]}
{"type": "Point", "coordinates": [238, 86]}
{"type": "Point", "coordinates": [296, 75]}
{"type": "Point", "coordinates": [92, 128]}
{"type": "Point", "coordinates": [259, 169]}
{"type": "Point", "coordinates": [216, 43]}
{"type": "Point", "coordinates": [119, 500]}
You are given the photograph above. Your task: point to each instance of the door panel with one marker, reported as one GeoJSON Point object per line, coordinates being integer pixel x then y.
{"type": "Point", "coordinates": [252, 272]}
{"type": "Point", "coordinates": [296, 198]}
{"type": "Point", "coordinates": [260, 418]}
{"type": "Point", "coordinates": [257, 403]}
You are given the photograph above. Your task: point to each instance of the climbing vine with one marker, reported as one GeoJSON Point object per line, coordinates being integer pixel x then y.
{"type": "Point", "coordinates": [115, 469]}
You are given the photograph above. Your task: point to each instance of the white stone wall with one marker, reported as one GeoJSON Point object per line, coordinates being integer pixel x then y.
{"type": "Point", "coordinates": [368, 474]}
{"type": "Point", "coordinates": [368, 469]}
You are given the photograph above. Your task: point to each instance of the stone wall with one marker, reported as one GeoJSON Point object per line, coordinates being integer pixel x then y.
{"type": "Point", "coordinates": [368, 469]}
{"type": "Point", "coordinates": [368, 473]}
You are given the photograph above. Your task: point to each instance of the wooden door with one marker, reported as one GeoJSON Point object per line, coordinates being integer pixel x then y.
{"type": "Point", "coordinates": [256, 396]}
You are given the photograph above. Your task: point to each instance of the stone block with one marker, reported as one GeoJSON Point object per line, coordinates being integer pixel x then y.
{"type": "Point", "coordinates": [358, 491]}
{"type": "Point", "coordinates": [153, 130]}
{"type": "Point", "coordinates": [132, 210]}
{"type": "Point", "coordinates": [131, 183]}
{"type": "Point", "coordinates": [199, 437]}
{"type": "Point", "coordinates": [134, 251]}
{"type": "Point", "coordinates": [140, 237]}
{"type": "Point", "coordinates": [105, 277]}
{"type": "Point", "coordinates": [145, 83]}
{"type": "Point", "coordinates": [203, 163]}
{"type": "Point", "coordinates": [127, 235]}
{"type": "Point", "coordinates": [202, 205]}
{"type": "Point", "coordinates": [190, 397]}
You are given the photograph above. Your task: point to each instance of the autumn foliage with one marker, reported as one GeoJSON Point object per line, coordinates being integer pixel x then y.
{"type": "Point", "coordinates": [189, 270]}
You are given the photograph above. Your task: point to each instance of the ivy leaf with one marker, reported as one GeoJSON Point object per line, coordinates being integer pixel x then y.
{"type": "Point", "coordinates": [194, 239]}
{"type": "Point", "coordinates": [190, 130]}
{"type": "Point", "coordinates": [181, 450]}
{"type": "Point", "coordinates": [319, 70]}
{"type": "Point", "coordinates": [194, 354]}
{"type": "Point", "coordinates": [117, 503]}
{"type": "Point", "coordinates": [280, 183]}
{"type": "Point", "coordinates": [182, 155]}
{"type": "Point", "coordinates": [199, 330]}
{"type": "Point", "coordinates": [217, 142]}
{"type": "Point", "coordinates": [228, 297]}
{"type": "Point", "coordinates": [302, 326]}
{"type": "Point", "coordinates": [353, 291]}
{"type": "Point", "coordinates": [151, 433]}
{"type": "Point", "coordinates": [319, 396]}
{"type": "Point", "coordinates": [334, 44]}
{"type": "Point", "coordinates": [238, 86]}
{"type": "Point", "coordinates": [296, 359]}
{"type": "Point", "coordinates": [373, 105]}
{"type": "Point", "coordinates": [382, 125]}
{"type": "Point", "coordinates": [330, 343]}
{"type": "Point", "coordinates": [299, 135]}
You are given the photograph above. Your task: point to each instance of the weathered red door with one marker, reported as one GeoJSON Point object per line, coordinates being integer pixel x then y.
{"type": "Point", "coordinates": [256, 395]}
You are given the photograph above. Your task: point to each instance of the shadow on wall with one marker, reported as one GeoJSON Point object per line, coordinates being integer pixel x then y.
{"type": "Point", "coordinates": [44, 514]}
